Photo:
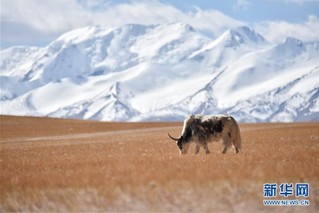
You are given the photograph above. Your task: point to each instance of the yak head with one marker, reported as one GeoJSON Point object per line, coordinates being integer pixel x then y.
{"type": "Point", "coordinates": [181, 143]}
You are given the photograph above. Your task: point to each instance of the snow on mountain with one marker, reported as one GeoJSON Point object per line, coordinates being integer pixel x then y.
{"type": "Point", "coordinates": [162, 72]}
{"type": "Point", "coordinates": [263, 70]}
{"type": "Point", "coordinates": [229, 47]}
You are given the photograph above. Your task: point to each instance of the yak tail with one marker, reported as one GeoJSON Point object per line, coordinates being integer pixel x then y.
{"type": "Point", "coordinates": [237, 142]}
{"type": "Point", "coordinates": [235, 134]}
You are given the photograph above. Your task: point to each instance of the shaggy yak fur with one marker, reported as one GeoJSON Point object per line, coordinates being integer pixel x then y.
{"type": "Point", "coordinates": [203, 129]}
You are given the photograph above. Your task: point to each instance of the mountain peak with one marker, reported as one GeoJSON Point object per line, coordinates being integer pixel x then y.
{"type": "Point", "coordinates": [291, 47]}
{"type": "Point", "coordinates": [244, 34]}
{"type": "Point", "coordinates": [183, 26]}
{"type": "Point", "coordinates": [81, 33]}
{"type": "Point", "coordinates": [134, 29]}
{"type": "Point", "coordinates": [292, 41]}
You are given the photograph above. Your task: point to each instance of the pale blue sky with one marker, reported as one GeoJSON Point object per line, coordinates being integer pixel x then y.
{"type": "Point", "coordinates": [257, 10]}
{"type": "Point", "coordinates": [37, 22]}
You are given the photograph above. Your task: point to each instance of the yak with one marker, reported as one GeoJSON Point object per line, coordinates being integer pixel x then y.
{"type": "Point", "coordinates": [203, 129]}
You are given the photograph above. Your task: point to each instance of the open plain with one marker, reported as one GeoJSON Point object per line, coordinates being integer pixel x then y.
{"type": "Point", "coordinates": [57, 165]}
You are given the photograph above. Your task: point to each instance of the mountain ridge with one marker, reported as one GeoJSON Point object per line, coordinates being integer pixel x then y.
{"type": "Point", "coordinates": [162, 72]}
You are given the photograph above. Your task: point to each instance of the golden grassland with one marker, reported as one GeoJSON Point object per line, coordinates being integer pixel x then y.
{"type": "Point", "coordinates": [71, 165]}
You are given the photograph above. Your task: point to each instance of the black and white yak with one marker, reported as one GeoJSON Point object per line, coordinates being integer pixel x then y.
{"type": "Point", "coordinates": [203, 129]}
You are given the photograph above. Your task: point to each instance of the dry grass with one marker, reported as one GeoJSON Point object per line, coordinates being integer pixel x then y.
{"type": "Point", "coordinates": [68, 165]}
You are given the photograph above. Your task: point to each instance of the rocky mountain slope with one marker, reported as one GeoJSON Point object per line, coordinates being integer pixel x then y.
{"type": "Point", "coordinates": [162, 72]}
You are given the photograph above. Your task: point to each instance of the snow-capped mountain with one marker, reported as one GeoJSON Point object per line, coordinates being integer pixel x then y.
{"type": "Point", "coordinates": [162, 72]}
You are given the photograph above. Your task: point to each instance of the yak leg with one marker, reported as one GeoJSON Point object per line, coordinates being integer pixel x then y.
{"type": "Point", "coordinates": [206, 148]}
{"type": "Point", "coordinates": [226, 142]}
{"type": "Point", "coordinates": [197, 148]}
{"type": "Point", "coordinates": [225, 150]}
{"type": "Point", "coordinates": [236, 148]}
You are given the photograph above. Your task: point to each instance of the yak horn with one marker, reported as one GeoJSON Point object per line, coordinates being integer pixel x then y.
{"type": "Point", "coordinates": [175, 139]}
